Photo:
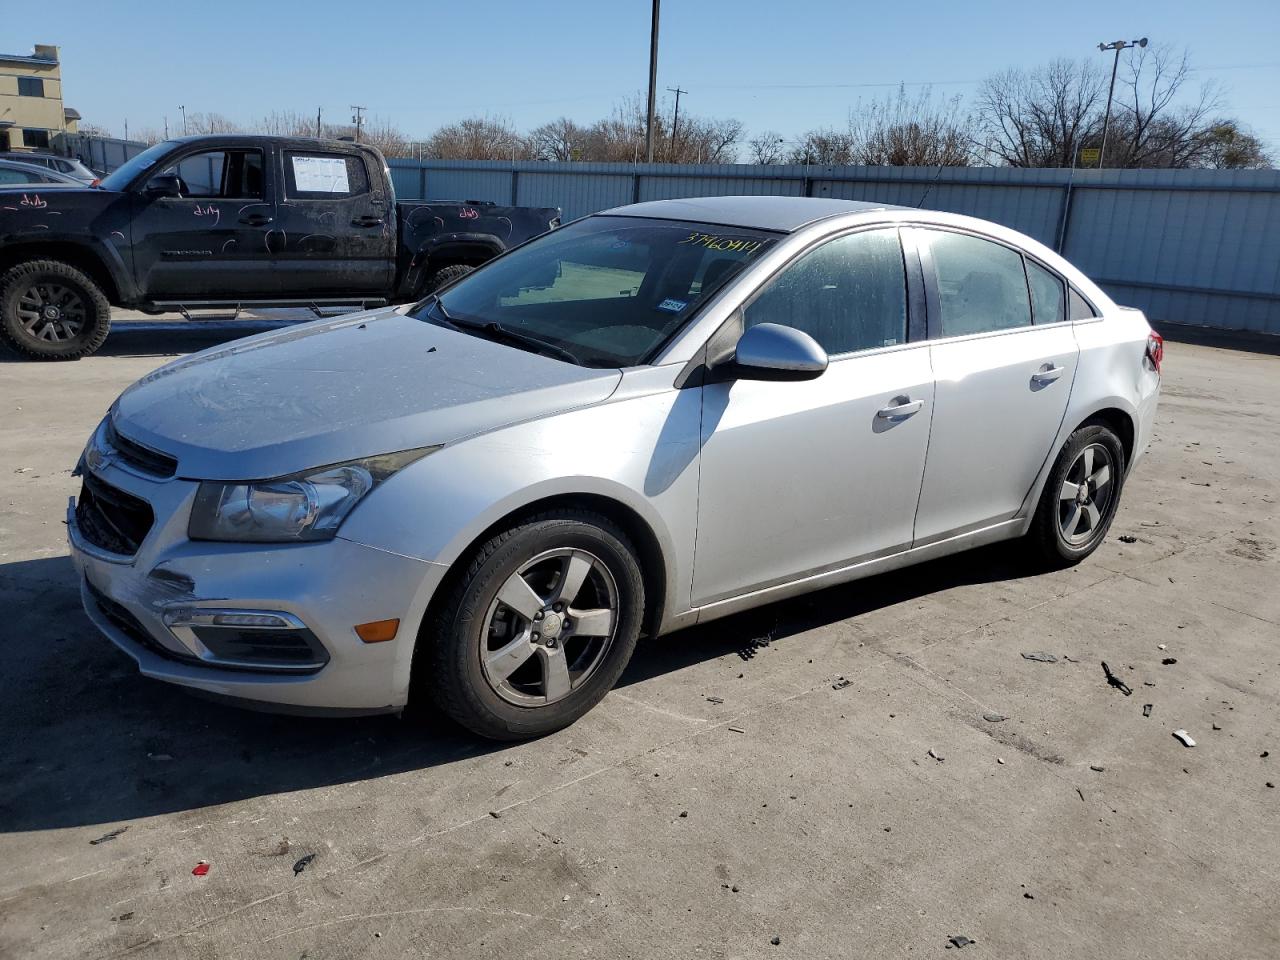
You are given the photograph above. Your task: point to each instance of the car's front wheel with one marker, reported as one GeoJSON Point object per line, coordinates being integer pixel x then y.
{"type": "Point", "coordinates": [1080, 497]}
{"type": "Point", "coordinates": [537, 628]}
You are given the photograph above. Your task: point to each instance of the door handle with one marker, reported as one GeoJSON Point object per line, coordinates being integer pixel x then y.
{"type": "Point", "coordinates": [1047, 374]}
{"type": "Point", "coordinates": [367, 221]}
{"type": "Point", "coordinates": [255, 219]}
{"type": "Point", "coordinates": [897, 411]}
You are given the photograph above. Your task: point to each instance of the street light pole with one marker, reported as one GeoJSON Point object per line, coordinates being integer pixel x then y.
{"type": "Point", "coordinates": [184, 119]}
{"type": "Point", "coordinates": [1117, 46]}
{"type": "Point", "coordinates": [653, 83]}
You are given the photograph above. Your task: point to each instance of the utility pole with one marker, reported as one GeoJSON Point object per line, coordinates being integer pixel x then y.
{"type": "Point", "coordinates": [358, 119]}
{"type": "Point", "coordinates": [675, 121]}
{"type": "Point", "coordinates": [126, 128]}
{"type": "Point", "coordinates": [653, 83]}
{"type": "Point", "coordinates": [184, 119]}
{"type": "Point", "coordinates": [318, 134]}
{"type": "Point", "coordinates": [166, 126]}
{"type": "Point", "coordinates": [1117, 46]}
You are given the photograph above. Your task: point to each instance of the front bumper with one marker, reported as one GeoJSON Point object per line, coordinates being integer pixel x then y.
{"type": "Point", "coordinates": [145, 604]}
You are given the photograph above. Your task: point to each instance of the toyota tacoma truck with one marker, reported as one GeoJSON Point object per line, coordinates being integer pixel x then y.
{"type": "Point", "coordinates": [230, 222]}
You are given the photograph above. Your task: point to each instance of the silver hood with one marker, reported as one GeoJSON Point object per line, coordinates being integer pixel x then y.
{"type": "Point", "coordinates": [337, 390]}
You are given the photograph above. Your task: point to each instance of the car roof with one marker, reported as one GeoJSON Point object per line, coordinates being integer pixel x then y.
{"type": "Point", "coordinates": [29, 167]}
{"type": "Point", "coordinates": [779, 214]}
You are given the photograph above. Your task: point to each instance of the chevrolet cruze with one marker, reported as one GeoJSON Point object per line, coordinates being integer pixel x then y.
{"type": "Point", "coordinates": [647, 419]}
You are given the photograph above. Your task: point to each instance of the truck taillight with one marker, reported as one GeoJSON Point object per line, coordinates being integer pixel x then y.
{"type": "Point", "coordinates": [1155, 350]}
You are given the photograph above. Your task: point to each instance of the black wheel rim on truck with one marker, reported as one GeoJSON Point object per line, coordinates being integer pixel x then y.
{"type": "Point", "coordinates": [51, 311]}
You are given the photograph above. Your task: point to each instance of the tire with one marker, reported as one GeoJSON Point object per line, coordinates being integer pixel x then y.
{"type": "Point", "coordinates": [438, 279]}
{"type": "Point", "coordinates": [474, 624]}
{"type": "Point", "coordinates": [77, 328]}
{"type": "Point", "coordinates": [1057, 540]}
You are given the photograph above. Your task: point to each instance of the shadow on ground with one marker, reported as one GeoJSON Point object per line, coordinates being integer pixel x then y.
{"type": "Point", "coordinates": [90, 741]}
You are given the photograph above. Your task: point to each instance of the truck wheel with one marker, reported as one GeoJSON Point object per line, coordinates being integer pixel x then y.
{"type": "Point", "coordinates": [51, 311]}
{"type": "Point", "coordinates": [444, 276]}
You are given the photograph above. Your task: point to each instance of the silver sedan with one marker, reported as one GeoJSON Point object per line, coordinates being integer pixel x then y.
{"type": "Point", "coordinates": [647, 419]}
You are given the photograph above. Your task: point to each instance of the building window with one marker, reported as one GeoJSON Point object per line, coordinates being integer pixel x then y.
{"type": "Point", "coordinates": [36, 138]}
{"type": "Point", "coordinates": [30, 87]}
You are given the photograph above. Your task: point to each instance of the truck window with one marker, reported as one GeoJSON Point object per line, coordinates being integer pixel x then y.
{"type": "Point", "coordinates": [221, 174]}
{"type": "Point", "coordinates": [323, 176]}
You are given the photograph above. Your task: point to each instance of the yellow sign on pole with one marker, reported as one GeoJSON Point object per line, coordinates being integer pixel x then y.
{"type": "Point", "coordinates": [1089, 156]}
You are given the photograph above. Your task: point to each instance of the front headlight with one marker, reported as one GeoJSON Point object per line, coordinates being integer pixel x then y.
{"type": "Point", "coordinates": [305, 506]}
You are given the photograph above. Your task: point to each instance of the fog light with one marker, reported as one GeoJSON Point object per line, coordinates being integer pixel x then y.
{"type": "Point", "coordinates": [248, 620]}
{"type": "Point", "coordinates": [377, 631]}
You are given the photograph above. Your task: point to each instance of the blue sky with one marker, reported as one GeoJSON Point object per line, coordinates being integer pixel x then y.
{"type": "Point", "coordinates": [788, 65]}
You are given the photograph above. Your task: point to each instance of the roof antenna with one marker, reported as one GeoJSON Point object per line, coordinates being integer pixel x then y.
{"type": "Point", "coordinates": [933, 183]}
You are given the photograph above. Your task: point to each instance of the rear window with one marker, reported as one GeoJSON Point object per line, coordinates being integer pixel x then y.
{"type": "Point", "coordinates": [324, 176]}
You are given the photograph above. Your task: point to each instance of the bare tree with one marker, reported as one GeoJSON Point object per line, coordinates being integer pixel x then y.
{"type": "Point", "coordinates": [901, 131]}
{"type": "Point", "coordinates": [826, 146]}
{"type": "Point", "coordinates": [1039, 118]}
{"type": "Point", "coordinates": [561, 140]}
{"type": "Point", "coordinates": [477, 138]}
{"type": "Point", "coordinates": [766, 147]}
{"type": "Point", "coordinates": [1154, 122]}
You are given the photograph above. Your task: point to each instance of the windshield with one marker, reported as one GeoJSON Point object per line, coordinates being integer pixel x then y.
{"type": "Point", "coordinates": [120, 178]}
{"type": "Point", "coordinates": [609, 291]}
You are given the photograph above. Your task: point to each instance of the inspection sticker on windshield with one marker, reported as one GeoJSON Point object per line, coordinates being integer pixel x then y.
{"type": "Point", "coordinates": [673, 306]}
{"type": "Point", "coordinates": [715, 242]}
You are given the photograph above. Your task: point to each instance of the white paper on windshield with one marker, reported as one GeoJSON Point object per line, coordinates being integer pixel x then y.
{"type": "Point", "coordinates": [320, 175]}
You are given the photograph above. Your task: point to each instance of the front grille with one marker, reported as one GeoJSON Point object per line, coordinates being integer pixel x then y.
{"type": "Point", "coordinates": [111, 519]}
{"type": "Point", "coordinates": [142, 458]}
{"type": "Point", "coordinates": [124, 621]}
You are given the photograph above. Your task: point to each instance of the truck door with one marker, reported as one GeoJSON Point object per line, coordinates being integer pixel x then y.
{"type": "Point", "coordinates": [210, 242]}
{"type": "Point", "coordinates": [336, 228]}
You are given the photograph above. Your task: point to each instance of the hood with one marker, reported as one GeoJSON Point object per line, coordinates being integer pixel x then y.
{"type": "Point", "coordinates": [336, 390]}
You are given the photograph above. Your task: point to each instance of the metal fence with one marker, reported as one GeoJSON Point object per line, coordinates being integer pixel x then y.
{"type": "Point", "coordinates": [1199, 247]}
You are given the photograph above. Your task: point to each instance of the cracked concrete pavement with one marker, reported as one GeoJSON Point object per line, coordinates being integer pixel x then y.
{"type": "Point", "coordinates": [665, 824]}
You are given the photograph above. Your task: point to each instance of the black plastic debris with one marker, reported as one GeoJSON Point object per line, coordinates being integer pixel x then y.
{"type": "Point", "coordinates": [1128, 538]}
{"type": "Point", "coordinates": [1040, 657]}
{"type": "Point", "coordinates": [841, 684]}
{"type": "Point", "coordinates": [109, 836]}
{"type": "Point", "coordinates": [302, 863]}
{"type": "Point", "coordinates": [715, 700]}
{"type": "Point", "coordinates": [994, 717]}
{"type": "Point", "coordinates": [959, 942]}
{"type": "Point", "coordinates": [937, 756]}
{"type": "Point", "coordinates": [776, 941]}
{"type": "Point", "coordinates": [1116, 681]}
{"type": "Point", "coordinates": [1169, 661]}
{"type": "Point", "coordinates": [1146, 709]}
{"type": "Point", "coordinates": [1264, 754]}
{"type": "Point", "coordinates": [122, 917]}
{"type": "Point", "coordinates": [1096, 769]}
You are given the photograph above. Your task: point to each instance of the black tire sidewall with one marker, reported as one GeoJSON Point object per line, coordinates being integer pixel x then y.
{"type": "Point", "coordinates": [458, 680]}
{"type": "Point", "coordinates": [1048, 533]}
{"type": "Point", "coordinates": [439, 279]}
{"type": "Point", "coordinates": [97, 320]}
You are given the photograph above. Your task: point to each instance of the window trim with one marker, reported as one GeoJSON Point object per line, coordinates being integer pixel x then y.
{"type": "Point", "coordinates": [914, 298]}
{"type": "Point", "coordinates": [40, 80]}
{"type": "Point", "coordinates": [286, 197]}
{"type": "Point", "coordinates": [1062, 282]}
{"type": "Point", "coordinates": [1097, 314]}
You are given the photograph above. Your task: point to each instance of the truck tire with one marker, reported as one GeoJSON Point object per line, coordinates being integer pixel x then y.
{"type": "Point", "coordinates": [49, 310]}
{"type": "Point", "coordinates": [444, 276]}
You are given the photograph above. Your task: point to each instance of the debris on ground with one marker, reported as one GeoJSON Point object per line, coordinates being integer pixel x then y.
{"type": "Point", "coordinates": [1081, 792]}
{"type": "Point", "coordinates": [1128, 538]}
{"type": "Point", "coordinates": [1264, 754]}
{"type": "Point", "coordinates": [933, 753]}
{"type": "Point", "coordinates": [684, 814]}
{"type": "Point", "coordinates": [1169, 661]}
{"type": "Point", "coordinates": [1040, 657]}
{"type": "Point", "coordinates": [776, 941]}
{"type": "Point", "coordinates": [302, 864]}
{"type": "Point", "coordinates": [1216, 727]}
{"type": "Point", "coordinates": [1096, 769]}
{"type": "Point", "coordinates": [715, 699]}
{"type": "Point", "coordinates": [108, 836]}
{"type": "Point", "coordinates": [1160, 646]}
{"type": "Point", "coordinates": [200, 869]}
{"type": "Point", "coordinates": [1029, 896]}
{"type": "Point", "coordinates": [1069, 659]}
{"type": "Point", "coordinates": [994, 717]}
{"type": "Point", "coordinates": [495, 814]}
{"type": "Point", "coordinates": [841, 684]}
{"type": "Point", "coordinates": [1184, 737]}
{"type": "Point", "coordinates": [959, 942]}
{"type": "Point", "coordinates": [736, 730]}
{"type": "Point", "coordinates": [122, 917]}
{"type": "Point", "coordinates": [999, 759]}
{"type": "Point", "coordinates": [1146, 709]}
{"type": "Point", "coordinates": [1116, 681]}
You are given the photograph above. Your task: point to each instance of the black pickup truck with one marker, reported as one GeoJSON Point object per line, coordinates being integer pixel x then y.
{"type": "Point", "coordinates": [230, 222]}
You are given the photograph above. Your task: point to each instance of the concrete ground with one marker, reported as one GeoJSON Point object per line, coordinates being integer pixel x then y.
{"type": "Point", "coordinates": [712, 806]}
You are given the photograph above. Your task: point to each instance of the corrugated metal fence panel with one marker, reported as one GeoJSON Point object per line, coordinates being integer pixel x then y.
{"type": "Point", "coordinates": [1188, 246]}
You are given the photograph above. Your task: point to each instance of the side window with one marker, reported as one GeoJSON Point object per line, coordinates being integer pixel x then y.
{"type": "Point", "coordinates": [848, 294]}
{"type": "Point", "coordinates": [1080, 309]}
{"type": "Point", "coordinates": [1047, 300]}
{"type": "Point", "coordinates": [9, 175]}
{"type": "Point", "coordinates": [981, 284]}
{"type": "Point", "coordinates": [220, 174]}
{"type": "Point", "coordinates": [324, 176]}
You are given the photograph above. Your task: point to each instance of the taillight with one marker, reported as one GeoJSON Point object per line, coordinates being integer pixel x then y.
{"type": "Point", "coordinates": [1155, 350]}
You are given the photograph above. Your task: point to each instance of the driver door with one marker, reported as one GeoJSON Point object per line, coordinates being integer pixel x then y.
{"type": "Point", "coordinates": [210, 243]}
{"type": "Point", "coordinates": [800, 478]}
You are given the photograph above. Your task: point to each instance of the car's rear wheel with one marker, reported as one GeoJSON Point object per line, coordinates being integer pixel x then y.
{"type": "Point", "coordinates": [1080, 497]}
{"type": "Point", "coordinates": [49, 310]}
{"type": "Point", "coordinates": [537, 628]}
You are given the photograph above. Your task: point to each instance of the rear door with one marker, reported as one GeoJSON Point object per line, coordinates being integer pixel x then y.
{"type": "Point", "coordinates": [797, 479]}
{"type": "Point", "coordinates": [336, 233]}
{"type": "Point", "coordinates": [1002, 380]}
{"type": "Point", "coordinates": [210, 243]}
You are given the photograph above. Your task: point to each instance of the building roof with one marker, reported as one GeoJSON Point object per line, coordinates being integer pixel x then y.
{"type": "Point", "coordinates": [783, 214]}
{"type": "Point", "coordinates": [71, 114]}
{"type": "Point", "coordinates": [28, 58]}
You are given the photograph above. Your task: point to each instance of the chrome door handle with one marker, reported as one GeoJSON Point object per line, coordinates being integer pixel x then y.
{"type": "Point", "coordinates": [1047, 374]}
{"type": "Point", "coordinates": [896, 411]}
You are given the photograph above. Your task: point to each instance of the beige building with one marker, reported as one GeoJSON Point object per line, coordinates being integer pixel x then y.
{"type": "Point", "coordinates": [31, 110]}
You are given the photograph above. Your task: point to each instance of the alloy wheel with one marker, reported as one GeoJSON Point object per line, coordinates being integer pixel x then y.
{"type": "Point", "coordinates": [51, 311]}
{"type": "Point", "coordinates": [1086, 495]}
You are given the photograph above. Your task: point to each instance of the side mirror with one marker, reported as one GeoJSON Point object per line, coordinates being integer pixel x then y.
{"type": "Point", "coordinates": [771, 351]}
{"type": "Point", "coordinates": [164, 185]}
